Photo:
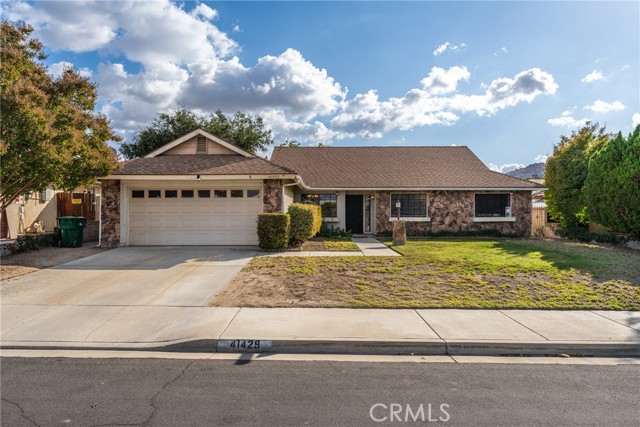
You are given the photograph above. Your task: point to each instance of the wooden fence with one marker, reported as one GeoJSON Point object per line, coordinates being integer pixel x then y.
{"type": "Point", "coordinates": [76, 204]}
{"type": "Point", "coordinates": [538, 218]}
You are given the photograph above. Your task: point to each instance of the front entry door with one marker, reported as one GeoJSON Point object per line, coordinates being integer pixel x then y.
{"type": "Point", "coordinates": [353, 207]}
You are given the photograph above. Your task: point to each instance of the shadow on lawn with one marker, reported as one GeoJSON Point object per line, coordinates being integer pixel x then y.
{"type": "Point", "coordinates": [600, 262]}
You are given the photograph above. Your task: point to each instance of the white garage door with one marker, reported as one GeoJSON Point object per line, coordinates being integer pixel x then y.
{"type": "Point", "coordinates": [186, 216]}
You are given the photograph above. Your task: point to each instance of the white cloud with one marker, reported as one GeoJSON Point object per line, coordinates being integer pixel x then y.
{"type": "Point", "coordinates": [366, 116]}
{"type": "Point", "coordinates": [635, 119]}
{"type": "Point", "coordinates": [56, 69]}
{"type": "Point", "coordinates": [625, 67]}
{"type": "Point", "coordinates": [448, 46]}
{"type": "Point", "coordinates": [605, 107]}
{"type": "Point", "coordinates": [593, 76]}
{"type": "Point", "coordinates": [237, 29]}
{"type": "Point", "coordinates": [541, 158]}
{"type": "Point", "coordinates": [501, 51]}
{"type": "Point", "coordinates": [567, 120]}
{"type": "Point", "coordinates": [507, 167]}
{"type": "Point", "coordinates": [159, 56]}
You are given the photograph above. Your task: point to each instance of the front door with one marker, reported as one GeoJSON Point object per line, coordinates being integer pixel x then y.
{"type": "Point", "coordinates": [353, 207]}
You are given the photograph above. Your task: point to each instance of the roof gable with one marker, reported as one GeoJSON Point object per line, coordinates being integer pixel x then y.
{"type": "Point", "coordinates": [198, 132]}
{"type": "Point", "coordinates": [423, 167]}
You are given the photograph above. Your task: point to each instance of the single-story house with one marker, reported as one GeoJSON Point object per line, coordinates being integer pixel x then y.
{"type": "Point", "coordinates": [201, 190]}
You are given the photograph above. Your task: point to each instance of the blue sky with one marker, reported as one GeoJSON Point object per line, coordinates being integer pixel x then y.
{"type": "Point", "coordinates": [505, 78]}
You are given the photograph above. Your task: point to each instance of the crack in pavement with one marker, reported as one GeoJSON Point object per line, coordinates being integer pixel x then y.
{"type": "Point", "coordinates": [152, 401]}
{"type": "Point", "coordinates": [22, 412]}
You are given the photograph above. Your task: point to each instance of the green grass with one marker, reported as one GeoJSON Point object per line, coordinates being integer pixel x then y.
{"type": "Point", "coordinates": [464, 273]}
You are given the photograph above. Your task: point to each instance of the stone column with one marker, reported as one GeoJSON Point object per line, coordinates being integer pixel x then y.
{"type": "Point", "coordinates": [272, 196]}
{"type": "Point", "coordinates": [110, 200]}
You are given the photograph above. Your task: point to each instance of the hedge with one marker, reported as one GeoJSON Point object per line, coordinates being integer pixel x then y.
{"type": "Point", "coordinates": [273, 231]}
{"type": "Point", "coordinates": [584, 235]}
{"type": "Point", "coordinates": [30, 242]}
{"type": "Point", "coordinates": [306, 221]}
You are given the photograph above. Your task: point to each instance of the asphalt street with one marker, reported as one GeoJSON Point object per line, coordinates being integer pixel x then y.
{"type": "Point", "coordinates": [171, 392]}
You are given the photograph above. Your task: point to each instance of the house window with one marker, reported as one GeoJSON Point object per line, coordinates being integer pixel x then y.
{"type": "Point", "coordinates": [137, 194]}
{"type": "Point", "coordinates": [253, 193]}
{"type": "Point", "coordinates": [493, 205]}
{"type": "Point", "coordinates": [237, 193]}
{"type": "Point", "coordinates": [204, 194]}
{"type": "Point", "coordinates": [328, 203]}
{"type": "Point", "coordinates": [154, 194]}
{"type": "Point", "coordinates": [219, 193]}
{"type": "Point", "coordinates": [170, 194]}
{"type": "Point", "coordinates": [187, 194]}
{"type": "Point", "coordinates": [411, 205]}
{"type": "Point", "coordinates": [201, 145]}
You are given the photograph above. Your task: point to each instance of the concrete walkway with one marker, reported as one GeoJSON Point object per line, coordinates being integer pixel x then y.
{"type": "Point", "coordinates": [368, 247]}
{"type": "Point", "coordinates": [302, 330]}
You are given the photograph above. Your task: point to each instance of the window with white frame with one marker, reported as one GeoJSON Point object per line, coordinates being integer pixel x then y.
{"type": "Point", "coordinates": [493, 205]}
{"type": "Point", "coordinates": [328, 203]}
{"type": "Point", "coordinates": [412, 205]}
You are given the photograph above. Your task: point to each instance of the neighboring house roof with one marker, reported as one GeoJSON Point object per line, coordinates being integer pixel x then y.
{"type": "Point", "coordinates": [426, 167]}
{"type": "Point", "coordinates": [201, 164]}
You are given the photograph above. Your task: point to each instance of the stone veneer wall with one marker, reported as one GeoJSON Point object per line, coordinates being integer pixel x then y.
{"type": "Point", "coordinates": [110, 201]}
{"type": "Point", "coordinates": [454, 211]}
{"type": "Point", "coordinates": [272, 196]}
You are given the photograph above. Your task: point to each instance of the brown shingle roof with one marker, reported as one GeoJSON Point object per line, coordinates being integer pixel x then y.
{"type": "Point", "coordinates": [393, 167]}
{"type": "Point", "coordinates": [202, 164]}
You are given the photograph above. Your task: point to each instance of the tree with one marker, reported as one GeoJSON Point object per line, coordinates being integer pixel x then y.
{"type": "Point", "coordinates": [244, 131]}
{"type": "Point", "coordinates": [612, 187]}
{"type": "Point", "coordinates": [566, 171]}
{"type": "Point", "coordinates": [49, 134]}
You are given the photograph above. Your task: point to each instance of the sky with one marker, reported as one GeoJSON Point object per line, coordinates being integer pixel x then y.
{"type": "Point", "coordinates": [505, 78]}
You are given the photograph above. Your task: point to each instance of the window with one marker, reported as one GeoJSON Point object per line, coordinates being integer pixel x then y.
{"type": "Point", "coordinates": [253, 193]}
{"type": "Point", "coordinates": [328, 203]}
{"type": "Point", "coordinates": [493, 205]}
{"type": "Point", "coordinates": [203, 194]}
{"type": "Point", "coordinates": [201, 145]}
{"type": "Point", "coordinates": [219, 193]}
{"type": "Point", "coordinates": [170, 194]}
{"type": "Point", "coordinates": [187, 194]}
{"type": "Point", "coordinates": [237, 193]}
{"type": "Point", "coordinates": [411, 205]}
{"type": "Point", "coordinates": [137, 194]}
{"type": "Point", "coordinates": [154, 194]}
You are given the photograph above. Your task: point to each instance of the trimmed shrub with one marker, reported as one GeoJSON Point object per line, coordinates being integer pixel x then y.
{"type": "Point", "coordinates": [332, 232]}
{"type": "Point", "coordinates": [306, 220]}
{"type": "Point", "coordinates": [32, 242]}
{"type": "Point", "coordinates": [273, 231]}
{"type": "Point", "coordinates": [584, 235]}
{"type": "Point", "coordinates": [489, 232]}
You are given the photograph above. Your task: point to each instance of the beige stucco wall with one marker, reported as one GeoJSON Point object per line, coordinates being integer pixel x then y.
{"type": "Point", "coordinates": [34, 210]}
{"type": "Point", "coordinates": [189, 147]}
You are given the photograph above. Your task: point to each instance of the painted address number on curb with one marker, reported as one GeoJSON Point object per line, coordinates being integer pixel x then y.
{"type": "Point", "coordinates": [244, 346]}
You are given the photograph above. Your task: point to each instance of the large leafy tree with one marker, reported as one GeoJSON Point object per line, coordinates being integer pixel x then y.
{"type": "Point", "coordinates": [49, 134]}
{"type": "Point", "coordinates": [566, 171]}
{"type": "Point", "coordinates": [612, 186]}
{"type": "Point", "coordinates": [242, 130]}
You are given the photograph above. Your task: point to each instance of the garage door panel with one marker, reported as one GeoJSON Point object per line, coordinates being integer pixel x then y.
{"type": "Point", "coordinates": [193, 221]}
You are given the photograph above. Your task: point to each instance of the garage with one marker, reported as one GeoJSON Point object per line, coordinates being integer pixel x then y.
{"type": "Point", "coordinates": [189, 216]}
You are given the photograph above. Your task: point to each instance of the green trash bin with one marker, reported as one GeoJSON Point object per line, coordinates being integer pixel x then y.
{"type": "Point", "coordinates": [71, 228]}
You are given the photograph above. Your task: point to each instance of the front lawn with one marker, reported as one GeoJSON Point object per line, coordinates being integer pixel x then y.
{"type": "Point", "coordinates": [330, 244]}
{"type": "Point", "coordinates": [448, 273]}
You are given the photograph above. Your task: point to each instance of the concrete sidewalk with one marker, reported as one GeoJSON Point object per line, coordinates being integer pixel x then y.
{"type": "Point", "coordinates": [302, 330]}
{"type": "Point", "coordinates": [368, 247]}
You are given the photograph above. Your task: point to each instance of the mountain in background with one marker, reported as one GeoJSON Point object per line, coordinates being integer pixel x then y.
{"type": "Point", "coordinates": [532, 171]}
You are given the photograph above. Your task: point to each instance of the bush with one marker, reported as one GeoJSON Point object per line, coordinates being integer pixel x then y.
{"type": "Point", "coordinates": [273, 231]}
{"type": "Point", "coordinates": [306, 220]}
{"type": "Point", "coordinates": [331, 232]}
{"type": "Point", "coordinates": [31, 242]}
{"type": "Point", "coordinates": [489, 232]}
{"type": "Point", "coordinates": [584, 235]}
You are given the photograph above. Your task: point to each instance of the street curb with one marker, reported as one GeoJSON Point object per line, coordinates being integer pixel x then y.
{"type": "Point", "coordinates": [363, 347]}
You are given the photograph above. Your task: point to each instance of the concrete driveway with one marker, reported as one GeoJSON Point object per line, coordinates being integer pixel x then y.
{"type": "Point", "coordinates": [133, 276]}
